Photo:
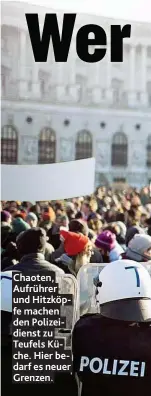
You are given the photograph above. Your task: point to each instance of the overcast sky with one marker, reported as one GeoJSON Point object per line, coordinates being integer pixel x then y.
{"type": "Point", "coordinates": [137, 10]}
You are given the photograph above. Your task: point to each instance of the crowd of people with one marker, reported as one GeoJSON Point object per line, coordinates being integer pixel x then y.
{"type": "Point", "coordinates": [101, 228]}
{"type": "Point", "coordinates": [109, 227]}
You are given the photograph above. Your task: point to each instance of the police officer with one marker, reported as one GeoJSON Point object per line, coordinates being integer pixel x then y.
{"type": "Point", "coordinates": [112, 349]}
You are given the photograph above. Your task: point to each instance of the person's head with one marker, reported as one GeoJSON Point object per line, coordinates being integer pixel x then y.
{"type": "Point", "coordinates": [122, 234]}
{"type": "Point", "coordinates": [135, 201]}
{"type": "Point", "coordinates": [93, 205]}
{"type": "Point", "coordinates": [70, 210]}
{"type": "Point", "coordinates": [105, 242]}
{"type": "Point", "coordinates": [113, 228]}
{"type": "Point", "coordinates": [20, 213]}
{"type": "Point", "coordinates": [110, 216]}
{"type": "Point", "coordinates": [95, 225]}
{"type": "Point", "coordinates": [78, 247]}
{"type": "Point", "coordinates": [36, 209]}
{"type": "Point", "coordinates": [48, 214]}
{"type": "Point", "coordinates": [145, 190]}
{"type": "Point", "coordinates": [124, 292]}
{"type": "Point", "coordinates": [79, 215]}
{"type": "Point", "coordinates": [134, 216]}
{"type": "Point", "coordinates": [32, 241]}
{"type": "Point", "coordinates": [78, 226]}
{"type": "Point", "coordinates": [139, 248]}
{"type": "Point", "coordinates": [131, 231]}
{"type": "Point", "coordinates": [19, 225]}
{"type": "Point", "coordinates": [6, 217]}
{"type": "Point", "coordinates": [143, 219]}
{"type": "Point", "coordinates": [86, 208]}
{"type": "Point", "coordinates": [62, 220]}
{"type": "Point", "coordinates": [32, 219]}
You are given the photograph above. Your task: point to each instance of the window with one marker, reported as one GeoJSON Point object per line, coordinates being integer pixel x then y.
{"type": "Point", "coordinates": [117, 88]}
{"type": "Point", "coordinates": [3, 82]}
{"type": "Point", "coordinates": [149, 52]}
{"type": "Point", "coordinates": [47, 147]}
{"type": "Point", "coordinates": [29, 85]}
{"type": "Point", "coordinates": [138, 96]}
{"type": "Point", "coordinates": [149, 92]}
{"type": "Point", "coordinates": [103, 93]}
{"type": "Point", "coordinates": [4, 79]}
{"type": "Point", "coordinates": [83, 145]}
{"type": "Point", "coordinates": [42, 87]}
{"type": "Point", "coordinates": [119, 149]}
{"type": "Point", "coordinates": [116, 96]}
{"type": "Point", "coordinates": [124, 98]}
{"type": "Point", "coordinates": [119, 180]}
{"type": "Point", "coordinates": [149, 151]}
{"type": "Point", "coordinates": [4, 43]}
{"type": "Point", "coordinates": [9, 145]}
{"type": "Point", "coordinates": [82, 84]}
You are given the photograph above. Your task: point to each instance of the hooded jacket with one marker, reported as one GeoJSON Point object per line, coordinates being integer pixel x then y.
{"type": "Point", "coordinates": [137, 246]}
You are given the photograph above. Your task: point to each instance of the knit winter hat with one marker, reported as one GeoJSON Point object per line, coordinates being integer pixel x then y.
{"type": "Point", "coordinates": [5, 216]}
{"type": "Point", "coordinates": [19, 225]}
{"type": "Point", "coordinates": [139, 244]}
{"type": "Point", "coordinates": [31, 216]}
{"type": "Point", "coordinates": [106, 240]}
{"type": "Point", "coordinates": [49, 215]}
{"type": "Point", "coordinates": [73, 243]}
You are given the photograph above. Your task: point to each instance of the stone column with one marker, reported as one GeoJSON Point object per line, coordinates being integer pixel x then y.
{"type": "Point", "coordinates": [72, 64]}
{"type": "Point", "coordinates": [132, 93]}
{"type": "Point", "coordinates": [73, 87]}
{"type": "Point", "coordinates": [60, 89]}
{"type": "Point", "coordinates": [22, 68]}
{"type": "Point", "coordinates": [35, 81]}
{"type": "Point", "coordinates": [96, 82]}
{"type": "Point", "coordinates": [109, 94]}
{"type": "Point", "coordinates": [143, 75]}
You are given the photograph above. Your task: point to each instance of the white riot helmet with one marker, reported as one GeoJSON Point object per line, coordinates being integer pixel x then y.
{"type": "Point", "coordinates": [124, 291]}
{"type": "Point", "coordinates": [6, 291]}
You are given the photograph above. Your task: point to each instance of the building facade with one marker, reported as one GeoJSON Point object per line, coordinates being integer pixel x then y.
{"type": "Point", "coordinates": [55, 112]}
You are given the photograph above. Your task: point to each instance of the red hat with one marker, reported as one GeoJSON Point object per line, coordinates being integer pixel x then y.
{"type": "Point", "coordinates": [73, 243]}
{"type": "Point", "coordinates": [49, 215]}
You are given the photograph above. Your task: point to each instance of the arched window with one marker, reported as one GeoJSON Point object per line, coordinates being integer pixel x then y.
{"type": "Point", "coordinates": [119, 149]}
{"type": "Point", "coordinates": [47, 146]}
{"type": "Point", "coordinates": [83, 145]}
{"type": "Point", "coordinates": [9, 145]}
{"type": "Point", "coordinates": [149, 151]}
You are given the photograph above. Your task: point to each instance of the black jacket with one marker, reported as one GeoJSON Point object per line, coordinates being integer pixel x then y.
{"type": "Point", "coordinates": [30, 263]}
{"type": "Point", "coordinates": [34, 262]}
{"type": "Point", "coordinates": [121, 356]}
